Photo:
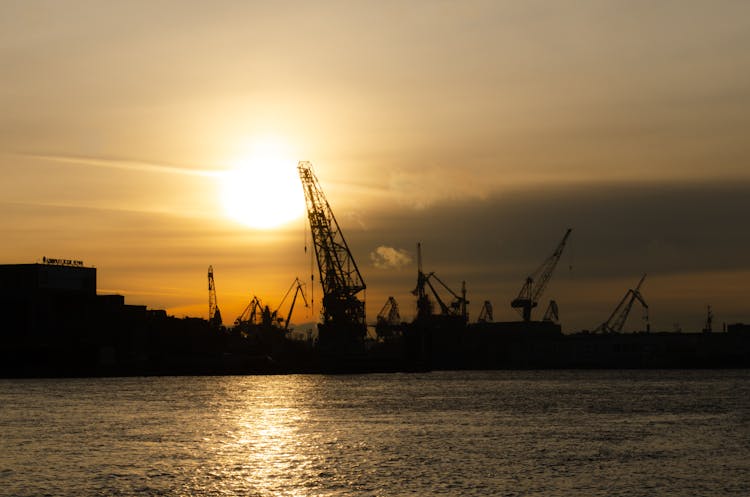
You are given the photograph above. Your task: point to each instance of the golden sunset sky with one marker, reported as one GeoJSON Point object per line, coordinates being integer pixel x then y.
{"type": "Point", "coordinates": [131, 131]}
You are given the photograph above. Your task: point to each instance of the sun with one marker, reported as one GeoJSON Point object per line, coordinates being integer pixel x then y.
{"type": "Point", "coordinates": [263, 190]}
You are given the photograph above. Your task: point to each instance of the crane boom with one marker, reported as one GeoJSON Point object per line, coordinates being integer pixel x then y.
{"type": "Point", "coordinates": [343, 312]}
{"type": "Point", "coordinates": [535, 283]}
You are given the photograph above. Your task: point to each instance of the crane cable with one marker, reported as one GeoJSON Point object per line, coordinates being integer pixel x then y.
{"type": "Point", "coordinates": [312, 275]}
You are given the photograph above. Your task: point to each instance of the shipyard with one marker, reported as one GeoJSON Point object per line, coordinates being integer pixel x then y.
{"type": "Point", "coordinates": [374, 249]}
{"type": "Point", "coordinates": [58, 325]}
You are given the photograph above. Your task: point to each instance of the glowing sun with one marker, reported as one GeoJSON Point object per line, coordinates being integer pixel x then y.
{"type": "Point", "coordinates": [263, 191]}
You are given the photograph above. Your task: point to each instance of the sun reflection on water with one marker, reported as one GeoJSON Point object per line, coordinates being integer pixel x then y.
{"type": "Point", "coordinates": [265, 447]}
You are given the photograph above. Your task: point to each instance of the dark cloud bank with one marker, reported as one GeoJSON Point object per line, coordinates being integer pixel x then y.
{"type": "Point", "coordinates": [620, 232]}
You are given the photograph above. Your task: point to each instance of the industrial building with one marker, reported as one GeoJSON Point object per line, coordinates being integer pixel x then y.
{"type": "Point", "coordinates": [46, 300]}
{"type": "Point", "coordinates": [54, 324]}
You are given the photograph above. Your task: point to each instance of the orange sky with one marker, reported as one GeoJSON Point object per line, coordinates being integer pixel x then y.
{"type": "Point", "coordinates": [483, 129]}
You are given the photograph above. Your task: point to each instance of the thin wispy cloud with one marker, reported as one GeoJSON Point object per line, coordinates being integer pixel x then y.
{"type": "Point", "coordinates": [128, 165]}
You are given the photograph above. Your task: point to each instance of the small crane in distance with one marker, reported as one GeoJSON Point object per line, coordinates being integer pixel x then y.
{"type": "Point", "coordinates": [297, 285]}
{"type": "Point", "coordinates": [388, 322]}
{"type": "Point", "coordinates": [457, 308]}
{"type": "Point", "coordinates": [618, 317]}
{"type": "Point", "coordinates": [485, 314]}
{"type": "Point", "coordinates": [552, 314]}
{"type": "Point", "coordinates": [535, 283]}
{"type": "Point", "coordinates": [214, 314]}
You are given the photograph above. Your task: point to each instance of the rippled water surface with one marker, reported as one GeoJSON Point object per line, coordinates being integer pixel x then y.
{"type": "Point", "coordinates": [608, 433]}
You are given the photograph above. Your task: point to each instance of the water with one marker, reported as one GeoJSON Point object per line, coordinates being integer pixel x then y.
{"type": "Point", "coordinates": [583, 433]}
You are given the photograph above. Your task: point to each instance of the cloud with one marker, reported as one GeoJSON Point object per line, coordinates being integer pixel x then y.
{"type": "Point", "coordinates": [421, 189]}
{"type": "Point", "coordinates": [389, 258]}
{"type": "Point", "coordinates": [127, 165]}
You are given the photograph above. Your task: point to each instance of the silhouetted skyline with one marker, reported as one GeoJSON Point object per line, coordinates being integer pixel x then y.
{"type": "Point", "coordinates": [482, 130]}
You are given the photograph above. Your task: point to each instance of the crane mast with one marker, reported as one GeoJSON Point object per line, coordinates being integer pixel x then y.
{"type": "Point", "coordinates": [535, 283]}
{"type": "Point", "coordinates": [343, 312]}
{"type": "Point", "coordinates": [214, 314]}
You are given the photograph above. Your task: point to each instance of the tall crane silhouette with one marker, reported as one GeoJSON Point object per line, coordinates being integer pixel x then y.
{"type": "Point", "coordinates": [535, 283]}
{"type": "Point", "coordinates": [214, 314]}
{"type": "Point", "coordinates": [343, 327]}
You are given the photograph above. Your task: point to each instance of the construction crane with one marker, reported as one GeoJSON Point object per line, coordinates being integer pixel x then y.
{"type": "Point", "coordinates": [485, 314]}
{"type": "Point", "coordinates": [456, 308]}
{"type": "Point", "coordinates": [214, 314]}
{"type": "Point", "coordinates": [708, 327]}
{"type": "Point", "coordinates": [253, 314]}
{"type": "Point", "coordinates": [343, 327]}
{"type": "Point", "coordinates": [424, 304]}
{"type": "Point", "coordinates": [389, 314]}
{"type": "Point", "coordinates": [298, 290]}
{"type": "Point", "coordinates": [618, 317]}
{"type": "Point", "coordinates": [388, 323]}
{"type": "Point", "coordinates": [552, 313]}
{"type": "Point", "coordinates": [534, 286]}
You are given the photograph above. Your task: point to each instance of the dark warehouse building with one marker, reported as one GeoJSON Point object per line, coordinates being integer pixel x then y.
{"type": "Point", "coordinates": [55, 324]}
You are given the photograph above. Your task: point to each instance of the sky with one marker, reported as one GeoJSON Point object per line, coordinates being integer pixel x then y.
{"type": "Point", "coordinates": [132, 135]}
